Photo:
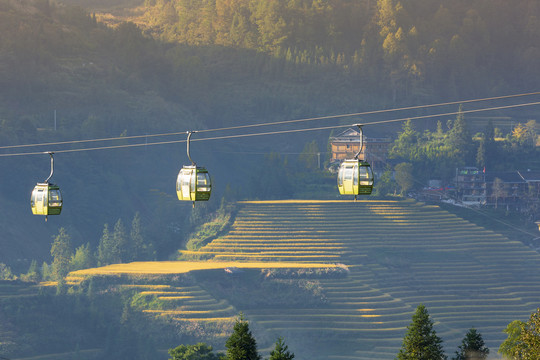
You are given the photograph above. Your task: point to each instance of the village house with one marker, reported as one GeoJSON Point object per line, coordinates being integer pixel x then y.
{"type": "Point", "coordinates": [375, 150]}
{"type": "Point", "coordinates": [515, 189]}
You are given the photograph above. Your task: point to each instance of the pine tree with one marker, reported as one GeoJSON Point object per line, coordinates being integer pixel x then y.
{"type": "Point", "coordinates": [140, 250]}
{"type": "Point", "coordinates": [104, 253]}
{"type": "Point", "coordinates": [83, 258]}
{"type": "Point", "coordinates": [281, 351]}
{"type": "Point", "coordinates": [61, 252]}
{"type": "Point", "coordinates": [472, 347]}
{"type": "Point", "coordinates": [421, 341]}
{"type": "Point", "coordinates": [459, 139]}
{"type": "Point", "coordinates": [241, 345]}
{"type": "Point", "coordinates": [120, 247]}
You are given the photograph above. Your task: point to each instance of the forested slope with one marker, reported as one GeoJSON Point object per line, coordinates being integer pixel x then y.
{"type": "Point", "coordinates": [409, 49]}
{"type": "Point", "coordinates": [227, 63]}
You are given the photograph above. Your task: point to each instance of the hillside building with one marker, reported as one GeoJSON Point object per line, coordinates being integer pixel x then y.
{"type": "Point", "coordinates": [346, 144]}
{"type": "Point", "coordinates": [516, 189]}
{"type": "Point", "coordinates": [471, 186]}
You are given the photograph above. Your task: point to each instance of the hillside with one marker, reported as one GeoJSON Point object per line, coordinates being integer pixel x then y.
{"type": "Point", "coordinates": [399, 254]}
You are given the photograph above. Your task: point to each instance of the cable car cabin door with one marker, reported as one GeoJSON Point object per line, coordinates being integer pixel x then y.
{"type": "Point", "coordinates": [39, 200]}
{"type": "Point", "coordinates": [348, 179]}
{"type": "Point", "coordinates": [183, 188]}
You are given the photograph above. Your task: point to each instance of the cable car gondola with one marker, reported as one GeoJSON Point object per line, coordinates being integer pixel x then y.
{"type": "Point", "coordinates": [355, 176]}
{"type": "Point", "coordinates": [46, 198]}
{"type": "Point", "coordinates": [193, 182]}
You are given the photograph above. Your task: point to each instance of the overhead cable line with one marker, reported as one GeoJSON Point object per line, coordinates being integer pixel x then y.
{"type": "Point", "coordinates": [223, 137]}
{"type": "Point", "coordinates": [373, 112]}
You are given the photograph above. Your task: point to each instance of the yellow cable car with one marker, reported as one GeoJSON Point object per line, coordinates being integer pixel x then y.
{"type": "Point", "coordinates": [46, 198]}
{"type": "Point", "coordinates": [193, 182]}
{"type": "Point", "coordinates": [355, 176]}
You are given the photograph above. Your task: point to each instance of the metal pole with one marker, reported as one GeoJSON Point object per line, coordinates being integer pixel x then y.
{"type": "Point", "coordinates": [361, 141]}
{"type": "Point", "coordinates": [52, 166]}
{"type": "Point", "coordinates": [188, 139]}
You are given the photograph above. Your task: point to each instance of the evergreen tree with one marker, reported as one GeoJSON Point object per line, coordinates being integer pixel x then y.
{"type": "Point", "coordinates": [140, 250]}
{"type": "Point", "coordinates": [459, 140]}
{"type": "Point", "coordinates": [121, 246]}
{"type": "Point", "coordinates": [472, 347]}
{"type": "Point", "coordinates": [421, 341]}
{"type": "Point", "coordinates": [241, 345]}
{"type": "Point", "coordinates": [104, 253]}
{"type": "Point", "coordinates": [281, 351]}
{"type": "Point", "coordinates": [83, 258]}
{"type": "Point", "coordinates": [61, 253]}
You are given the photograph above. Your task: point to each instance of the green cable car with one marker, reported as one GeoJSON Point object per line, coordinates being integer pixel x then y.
{"type": "Point", "coordinates": [193, 182]}
{"type": "Point", "coordinates": [355, 176]}
{"type": "Point", "coordinates": [46, 198]}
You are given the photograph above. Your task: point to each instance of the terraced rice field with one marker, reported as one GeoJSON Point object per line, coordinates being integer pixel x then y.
{"type": "Point", "coordinates": [400, 254]}
{"type": "Point", "coordinates": [189, 305]}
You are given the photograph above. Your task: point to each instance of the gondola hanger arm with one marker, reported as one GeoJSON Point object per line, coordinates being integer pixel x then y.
{"type": "Point", "coordinates": [188, 141]}
{"type": "Point", "coordinates": [52, 165]}
{"type": "Point", "coordinates": [361, 140]}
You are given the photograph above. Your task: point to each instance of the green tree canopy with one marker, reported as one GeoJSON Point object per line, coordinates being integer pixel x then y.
{"type": "Point", "coordinates": [241, 345]}
{"type": "Point", "coordinates": [404, 176]}
{"type": "Point", "coordinates": [472, 347]}
{"type": "Point", "coordinates": [199, 351]}
{"type": "Point", "coordinates": [421, 341]}
{"type": "Point", "coordinates": [523, 340]}
{"type": "Point", "coordinates": [405, 146]}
